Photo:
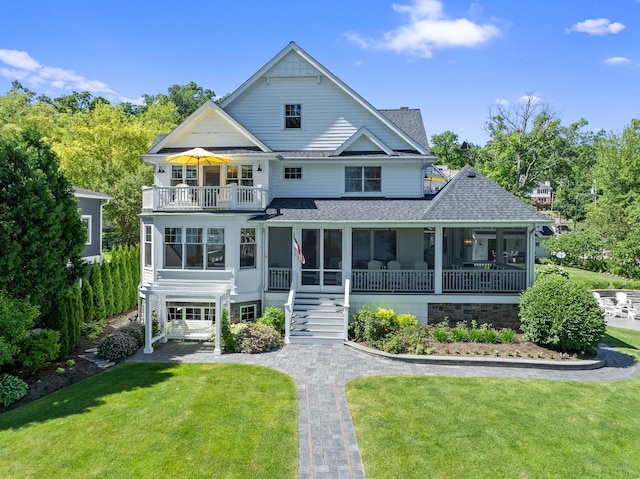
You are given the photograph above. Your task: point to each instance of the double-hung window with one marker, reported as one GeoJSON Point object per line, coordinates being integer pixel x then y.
{"type": "Point", "coordinates": [173, 248]}
{"type": "Point", "coordinates": [362, 179]}
{"type": "Point", "coordinates": [215, 248]}
{"type": "Point", "coordinates": [241, 175]}
{"type": "Point", "coordinates": [86, 221]}
{"type": "Point", "coordinates": [184, 175]}
{"type": "Point", "coordinates": [195, 248]}
{"type": "Point", "coordinates": [247, 247]}
{"type": "Point", "coordinates": [147, 245]}
{"type": "Point", "coordinates": [293, 173]}
{"type": "Point", "coordinates": [293, 116]}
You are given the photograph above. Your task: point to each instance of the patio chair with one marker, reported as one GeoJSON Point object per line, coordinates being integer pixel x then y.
{"type": "Point", "coordinates": [609, 307]}
{"type": "Point", "coordinates": [622, 301]}
{"type": "Point", "coordinates": [633, 311]}
{"type": "Point", "coordinates": [374, 264]}
{"type": "Point", "coordinates": [395, 276]}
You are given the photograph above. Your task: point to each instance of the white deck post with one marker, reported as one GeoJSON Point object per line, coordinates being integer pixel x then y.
{"type": "Point", "coordinates": [437, 262]}
{"type": "Point", "coordinates": [218, 331]}
{"type": "Point", "coordinates": [148, 327]}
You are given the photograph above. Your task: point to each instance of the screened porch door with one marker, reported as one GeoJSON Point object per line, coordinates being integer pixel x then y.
{"type": "Point", "coordinates": [322, 271]}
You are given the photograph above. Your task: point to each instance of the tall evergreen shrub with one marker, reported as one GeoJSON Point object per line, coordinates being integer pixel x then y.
{"type": "Point", "coordinates": [107, 283]}
{"type": "Point", "coordinates": [98, 292]}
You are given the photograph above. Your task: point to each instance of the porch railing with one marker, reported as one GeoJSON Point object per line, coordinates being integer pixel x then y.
{"type": "Point", "coordinates": [279, 278]}
{"type": "Point", "coordinates": [392, 280]}
{"type": "Point", "coordinates": [232, 197]}
{"type": "Point", "coordinates": [420, 281]}
{"type": "Point", "coordinates": [486, 281]}
{"type": "Point", "coordinates": [288, 310]}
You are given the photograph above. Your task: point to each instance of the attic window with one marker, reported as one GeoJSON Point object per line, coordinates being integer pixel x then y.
{"type": "Point", "coordinates": [293, 116]}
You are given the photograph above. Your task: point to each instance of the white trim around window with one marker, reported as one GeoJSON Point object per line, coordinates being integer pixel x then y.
{"type": "Point", "coordinates": [86, 221]}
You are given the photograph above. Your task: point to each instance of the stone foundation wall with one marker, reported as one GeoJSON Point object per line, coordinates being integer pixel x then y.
{"type": "Point", "coordinates": [498, 315]}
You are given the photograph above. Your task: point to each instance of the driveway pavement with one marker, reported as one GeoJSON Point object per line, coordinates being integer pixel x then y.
{"type": "Point", "coordinates": [327, 444]}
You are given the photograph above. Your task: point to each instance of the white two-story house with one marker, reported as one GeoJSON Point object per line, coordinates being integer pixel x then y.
{"type": "Point", "coordinates": [317, 202]}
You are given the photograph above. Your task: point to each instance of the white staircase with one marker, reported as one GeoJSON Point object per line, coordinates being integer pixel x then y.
{"type": "Point", "coordinates": [318, 318]}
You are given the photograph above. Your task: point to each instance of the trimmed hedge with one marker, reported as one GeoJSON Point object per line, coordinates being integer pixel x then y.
{"type": "Point", "coordinates": [561, 314]}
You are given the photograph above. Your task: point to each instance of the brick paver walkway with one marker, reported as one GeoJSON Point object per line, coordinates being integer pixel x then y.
{"type": "Point", "coordinates": [327, 444]}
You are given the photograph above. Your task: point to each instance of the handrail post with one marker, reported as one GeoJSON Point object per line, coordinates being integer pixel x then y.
{"type": "Point", "coordinates": [288, 309]}
{"type": "Point", "coordinates": [347, 289]}
{"type": "Point", "coordinates": [234, 196]}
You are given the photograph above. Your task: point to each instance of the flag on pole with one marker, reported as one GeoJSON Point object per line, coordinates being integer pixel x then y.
{"type": "Point", "coordinates": [296, 248]}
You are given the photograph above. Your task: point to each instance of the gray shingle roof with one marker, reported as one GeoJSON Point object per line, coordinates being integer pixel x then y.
{"type": "Point", "coordinates": [469, 197]}
{"type": "Point", "coordinates": [410, 121]}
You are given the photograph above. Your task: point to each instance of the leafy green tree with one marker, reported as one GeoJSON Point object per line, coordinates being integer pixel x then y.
{"type": "Point", "coordinates": [450, 152]}
{"type": "Point", "coordinates": [528, 144]}
{"type": "Point", "coordinates": [40, 228]}
{"type": "Point", "coordinates": [187, 98]}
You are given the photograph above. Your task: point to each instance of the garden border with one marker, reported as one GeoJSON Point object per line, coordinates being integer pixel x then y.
{"type": "Point", "coordinates": [598, 362]}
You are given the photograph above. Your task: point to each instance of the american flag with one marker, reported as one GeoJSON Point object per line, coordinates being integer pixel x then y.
{"type": "Point", "coordinates": [296, 248]}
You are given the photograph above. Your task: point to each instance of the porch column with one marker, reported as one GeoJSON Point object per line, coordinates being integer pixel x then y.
{"type": "Point", "coordinates": [347, 252]}
{"type": "Point", "coordinates": [218, 330]}
{"type": "Point", "coordinates": [437, 261]}
{"type": "Point", "coordinates": [531, 255]}
{"type": "Point", "coordinates": [148, 327]}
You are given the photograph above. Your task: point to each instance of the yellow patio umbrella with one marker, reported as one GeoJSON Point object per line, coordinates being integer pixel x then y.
{"type": "Point", "coordinates": [433, 178]}
{"type": "Point", "coordinates": [197, 156]}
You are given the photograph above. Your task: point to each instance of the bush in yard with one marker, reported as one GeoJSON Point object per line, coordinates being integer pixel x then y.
{"type": "Point", "coordinates": [37, 348]}
{"type": "Point", "coordinates": [117, 346]}
{"type": "Point", "coordinates": [254, 338]}
{"type": "Point", "coordinates": [561, 314]}
{"type": "Point", "coordinates": [228, 339]}
{"type": "Point", "coordinates": [17, 317]}
{"type": "Point", "coordinates": [11, 389]}
{"type": "Point", "coordinates": [407, 320]}
{"type": "Point", "coordinates": [134, 329]}
{"type": "Point", "coordinates": [548, 269]}
{"type": "Point", "coordinates": [273, 316]}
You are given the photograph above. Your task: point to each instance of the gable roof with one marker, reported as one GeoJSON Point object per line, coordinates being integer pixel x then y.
{"type": "Point", "coordinates": [365, 136]}
{"type": "Point", "coordinates": [320, 70]}
{"type": "Point", "coordinates": [84, 193]}
{"type": "Point", "coordinates": [208, 107]}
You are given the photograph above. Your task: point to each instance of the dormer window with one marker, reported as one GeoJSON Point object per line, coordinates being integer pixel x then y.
{"type": "Point", "coordinates": [293, 116]}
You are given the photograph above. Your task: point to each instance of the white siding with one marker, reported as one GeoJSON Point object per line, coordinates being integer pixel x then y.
{"type": "Point", "coordinates": [326, 180]}
{"type": "Point", "coordinates": [329, 115]}
{"type": "Point", "coordinates": [209, 129]}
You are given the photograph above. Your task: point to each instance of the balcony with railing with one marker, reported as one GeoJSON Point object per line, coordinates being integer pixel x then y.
{"type": "Point", "coordinates": [198, 198]}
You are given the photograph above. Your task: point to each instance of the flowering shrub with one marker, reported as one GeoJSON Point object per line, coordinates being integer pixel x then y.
{"type": "Point", "coordinates": [407, 320]}
{"type": "Point", "coordinates": [11, 389]}
{"type": "Point", "coordinates": [251, 338]}
{"type": "Point", "coordinates": [117, 346]}
{"type": "Point", "coordinates": [136, 330]}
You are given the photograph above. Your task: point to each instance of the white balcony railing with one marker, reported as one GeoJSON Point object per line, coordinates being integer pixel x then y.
{"type": "Point", "coordinates": [484, 280]}
{"type": "Point", "coordinates": [179, 198]}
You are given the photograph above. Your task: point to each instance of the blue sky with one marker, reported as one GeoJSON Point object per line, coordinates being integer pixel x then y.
{"type": "Point", "coordinates": [452, 59]}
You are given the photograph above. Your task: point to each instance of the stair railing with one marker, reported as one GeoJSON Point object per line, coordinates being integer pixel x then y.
{"type": "Point", "coordinates": [288, 308]}
{"type": "Point", "coordinates": [347, 292]}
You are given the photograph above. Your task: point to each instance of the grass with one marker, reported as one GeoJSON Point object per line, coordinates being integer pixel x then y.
{"type": "Point", "coordinates": [595, 280]}
{"type": "Point", "coordinates": [439, 427]}
{"type": "Point", "coordinates": [158, 420]}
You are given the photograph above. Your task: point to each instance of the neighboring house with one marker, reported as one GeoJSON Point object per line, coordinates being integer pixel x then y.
{"type": "Point", "coordinates": [90, 204]}
{"type": "Point", "coordinates": [318, 203]}
{"type": "Point", "coordinates": [542, 233]}
{"type": "Point", "coordinates": [541, 196]}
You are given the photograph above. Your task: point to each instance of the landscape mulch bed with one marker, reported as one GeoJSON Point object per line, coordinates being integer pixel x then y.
{"type": "Point", "coordinates": [48, 380]}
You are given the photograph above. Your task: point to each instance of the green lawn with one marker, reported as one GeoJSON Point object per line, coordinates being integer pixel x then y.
{"type": "Point", "coordinates": [595, 280]}
{"type": "Point", "coordinates": [158, 420]}
{"type": "Point", "coordinates": [439, 427]}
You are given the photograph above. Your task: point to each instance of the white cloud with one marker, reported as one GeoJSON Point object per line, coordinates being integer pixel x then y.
{"type": "Point", "coordinates": [29, 71]}
{"type": "Point", "coordinates": [429, 29]}
{"type": "Point", "coordinates": [501, 102]}
{"type": "Point", "coordinates": [137, 101]}
{"type": "Point", "coordinates": [530, 99]}
{"type": "Point", "coordinates": [598, 26]}
{"type": "Point", "coordinates": [617, 60]}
